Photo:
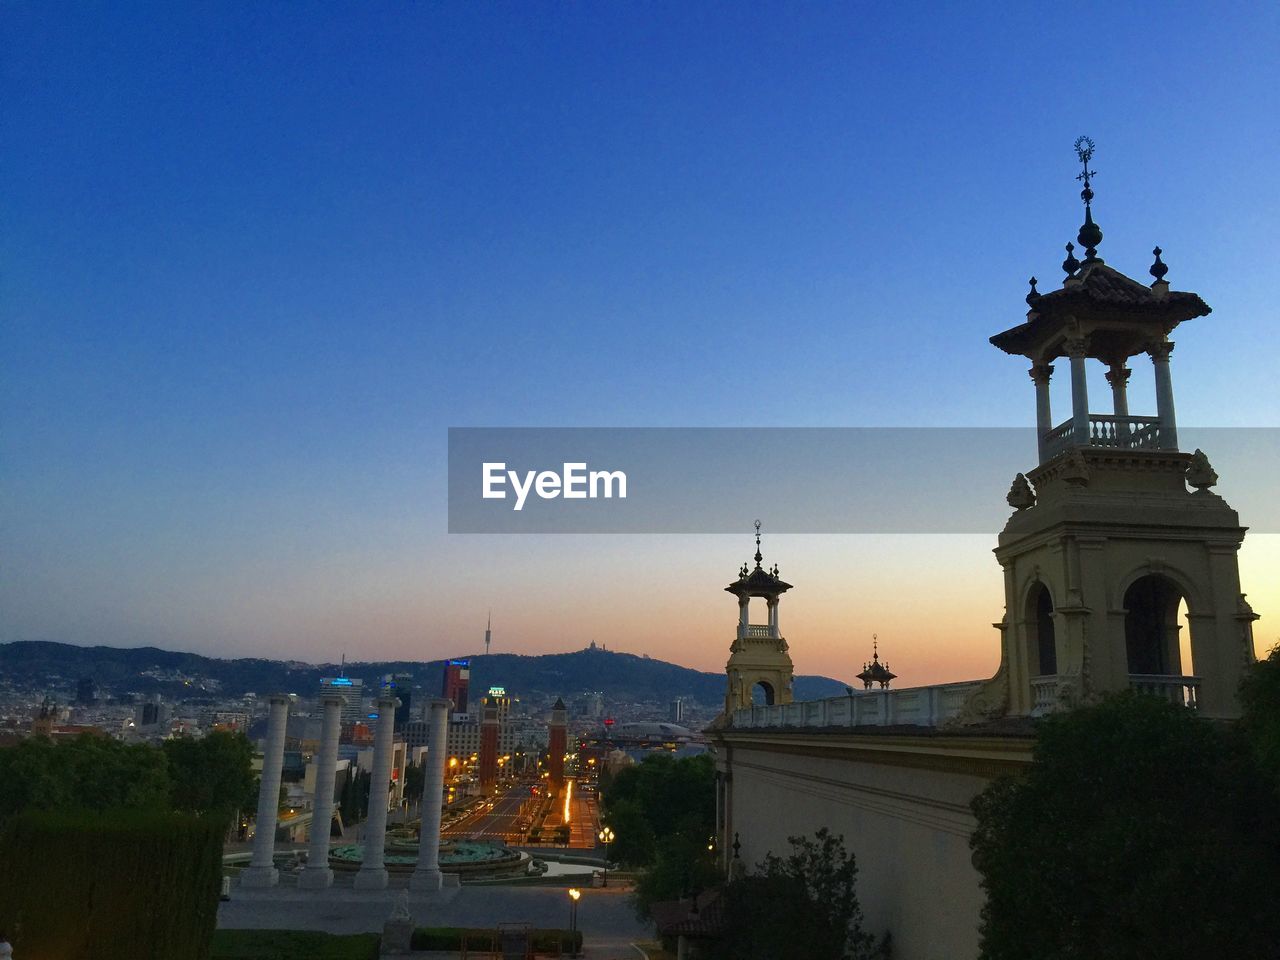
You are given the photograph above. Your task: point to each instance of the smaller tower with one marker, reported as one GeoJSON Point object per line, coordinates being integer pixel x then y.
{"type": "Point", "coordinates": [758, 656]}
{"type": "Point", "coordinates": [557, 745]}
{"type": "Point", "coordinates": [489, 745]}
{"type": "Point", "coordinates": [488, 633]}
{"type": "Point", "coordinates": [875, 671]}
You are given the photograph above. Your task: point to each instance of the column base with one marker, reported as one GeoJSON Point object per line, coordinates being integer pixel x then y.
{"type": "Point", "coordinates": [371, 879]}
{"type": "Point", "coordinates": [259, 878]}
{"type": "Point", "coordinates": [315, 878]}
{"type": "Point", "coordinates": [426, 881]}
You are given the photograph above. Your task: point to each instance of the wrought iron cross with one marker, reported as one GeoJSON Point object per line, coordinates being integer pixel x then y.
{"type": "Point", "coordinates": [1084, 150]}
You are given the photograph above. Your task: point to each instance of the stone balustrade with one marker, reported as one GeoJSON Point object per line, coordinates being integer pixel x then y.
{"type": "Point", "coordinates": [918, 706]}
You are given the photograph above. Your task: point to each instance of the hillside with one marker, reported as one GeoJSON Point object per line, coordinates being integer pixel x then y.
{"type": "Point", "coordinates": [146, 670]}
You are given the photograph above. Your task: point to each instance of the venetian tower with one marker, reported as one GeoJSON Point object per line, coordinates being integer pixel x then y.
{"type": "Point", "coordinates": [1116, 528]}
{"type": "Point", "coordinates": [759, 654]}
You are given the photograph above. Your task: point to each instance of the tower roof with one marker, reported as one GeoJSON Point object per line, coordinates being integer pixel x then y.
{"type": "Point", "coordinates": [875, 671]}
{"type": "Point", "coordinates": [1115, 315]}
{"type": "Point", "coordinates": [758, 582]}
{"type": "Point", "coordinates": [1118, 313]}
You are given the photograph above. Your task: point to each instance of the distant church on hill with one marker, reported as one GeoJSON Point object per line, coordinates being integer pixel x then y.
{"type": "Point", "coordinates": [1113, 533]}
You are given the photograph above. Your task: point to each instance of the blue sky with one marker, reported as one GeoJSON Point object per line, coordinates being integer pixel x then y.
{"type": "Point", "coordinates": [259, 257]}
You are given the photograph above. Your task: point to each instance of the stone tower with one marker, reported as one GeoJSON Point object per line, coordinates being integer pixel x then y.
{"type": "Point", "coordinates": [1116, 528]}
{"type": "Point", "coordinates": [758, 657]}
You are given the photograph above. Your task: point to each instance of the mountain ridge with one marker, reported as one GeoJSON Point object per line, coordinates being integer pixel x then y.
{"type": "Point", "coordinates": [148, 670]}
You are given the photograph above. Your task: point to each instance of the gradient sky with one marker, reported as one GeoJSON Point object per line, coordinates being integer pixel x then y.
{"type": "Point", "coordinates": [258, 258]}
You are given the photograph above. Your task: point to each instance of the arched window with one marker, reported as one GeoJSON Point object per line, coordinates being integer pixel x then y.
{"type": "Point", "coordinates": [762, 694]}
{"type": "Point", "coordinates": [1151, 626]}
{"type": "Point", "coordinates": [1043, 647]}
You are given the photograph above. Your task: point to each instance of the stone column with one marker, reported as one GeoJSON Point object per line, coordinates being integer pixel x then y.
{"type": "Point", "coordinates": [774, 629]}
{"type": "Point", "coordinates": [317, 875]}
{"type": "Point", "coordinates": [1159, 353]}
{"type": "Point", "coordinates": [427, 876]}
{"type": "Point", "coordinates": [373, 872]}
{"type": "Point", "coordinates": [1040, 374]}
{"type": "Point", "coordinates": [744, 617]}
{"type": "Point", "coordinates": [261, 871]}
{"type": "Point", "coordinates": [1076, 350]}
{"type": "Point", "coordinates": [1118, 377]}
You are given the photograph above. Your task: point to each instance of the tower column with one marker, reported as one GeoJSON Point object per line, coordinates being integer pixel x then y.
{"type": "Point", "coordinates": [1159, 353]}
{"type": "Point", "coordinates": [1118, 377]}
{"type": "Point", "coordinates": [774, 631]}
{"type": "Point", "coordinates": [744, 616]}
{"type": "Point", "coordinates": [427, 876]}
{"type": "Point", "coordinates": [373, 873]}
{"type": "Point", "coordinates": [1076, 350]}
{"type": "Point", "coordinates": [262, 871]}
{"type": "Point", "coordinates": [317, 875]}
{"type": "Point", "coordinates": [1040, 374]}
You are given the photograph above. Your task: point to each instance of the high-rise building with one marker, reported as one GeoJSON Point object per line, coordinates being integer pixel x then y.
{"type": "Point", "coordinates": [488, 744]}
{"type": "Point", "coordinates": [457, 681]}
{"type": "Point", "coordinates": [353, 711]}
{"type": "Point", "coordinates": [677, 710]}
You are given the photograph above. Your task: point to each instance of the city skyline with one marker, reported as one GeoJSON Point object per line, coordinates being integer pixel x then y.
{"type": "Point", "coordinates": [260, 262]}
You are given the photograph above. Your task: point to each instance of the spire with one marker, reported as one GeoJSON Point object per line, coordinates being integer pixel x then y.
{"type": "Point", "coordinates": [759, 555]}
{"type": "Point", "coordinates": [1090, 233]}
{"type": "Point", "coordinates": [488, 633]}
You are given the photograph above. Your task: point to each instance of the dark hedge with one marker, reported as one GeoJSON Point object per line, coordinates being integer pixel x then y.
{"type": "Point", "coordinates": [110, 885]}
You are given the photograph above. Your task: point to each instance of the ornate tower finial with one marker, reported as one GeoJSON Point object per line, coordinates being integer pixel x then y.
{"type": "Point", "coordinates": [1159, 268]}
{"type": "Point", "coordinates": [759, 555]}
{"type": "Point", "coordinates": [1090, 233]}
{"type": "Point", "coordinates": [1071, 264]}
{"type": "Point", "coordinates": [1034, 295]}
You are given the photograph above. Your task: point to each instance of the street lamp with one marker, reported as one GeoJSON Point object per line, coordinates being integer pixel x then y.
{"type": "Point", "coordinates": [574, 895]}
{"type": "Point", "coordinates": [606, 837]}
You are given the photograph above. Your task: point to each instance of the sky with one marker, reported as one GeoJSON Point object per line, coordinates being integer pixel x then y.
{"type": "Point", "coordinates": [258, 258]}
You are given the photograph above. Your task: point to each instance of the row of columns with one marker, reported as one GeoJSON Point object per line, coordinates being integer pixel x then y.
{"type": "Point", "coordinates": [1118, 377]}
{"type": "Point", "coordinates": [317, 874]}
{"type": "Point", "coordinates": [771, 604]}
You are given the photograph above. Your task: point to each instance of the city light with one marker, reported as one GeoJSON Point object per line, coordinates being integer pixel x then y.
{"type": "Point", "coordinates": [568, 797]}
{"type": "Point", "coordinates": [574, 893]}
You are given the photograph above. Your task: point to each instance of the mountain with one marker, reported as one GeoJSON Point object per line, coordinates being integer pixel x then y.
{"type": "Point", "coordinates": [147, 670]}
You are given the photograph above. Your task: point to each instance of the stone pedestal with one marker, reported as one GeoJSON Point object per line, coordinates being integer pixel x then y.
{"type": "Point", "coordinates": [397, 932]}
{"type": "Point", "coordinates": [261, 871]}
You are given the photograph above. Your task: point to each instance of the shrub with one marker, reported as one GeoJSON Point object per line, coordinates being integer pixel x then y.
{"type": "Point", "coordinates": [1138, 831]}
{"type": "Point", "coordinates": [479, 938]}
{"type": "Point", "coordinates": [293, 945]}
{"type": "Point", "coordinates": [110, 885]}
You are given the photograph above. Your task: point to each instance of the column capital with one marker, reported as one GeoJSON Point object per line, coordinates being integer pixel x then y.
{"type": "Point", "coordinates": [1118, 373]}
{"type": "Point", "coordinates": [333, 697]}
{"type": "Point", "coordinates": [1041, 372]}
{"type": "Point", "coordinates": [1159, 350]}
{"type": "Point", "coordinates": [285, 698]}
{"type": "Point", "coordinates": [1076, 347]}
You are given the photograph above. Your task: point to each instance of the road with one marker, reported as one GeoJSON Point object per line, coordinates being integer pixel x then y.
{"type": "Point", "coordinates": [501, 822]}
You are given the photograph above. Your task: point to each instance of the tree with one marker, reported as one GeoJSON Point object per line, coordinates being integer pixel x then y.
{"type": "Point", "coordinates": [87, 772]}
{"type": "Point", "coordinates": [213, 774]}
{"type": "Point", "coordinates": [1260, 700]}
{"type": "Point", "coordinates": [415, 778]}
{"type": "Point", "coordinates": [802, 905]}
{"type": "Point", "coordinates": [1138, 831]}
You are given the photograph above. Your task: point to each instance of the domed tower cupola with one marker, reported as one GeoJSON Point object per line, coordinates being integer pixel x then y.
{"type": "Point", "coordinates": [758, 658]}
{"type": "Point", "coordinates": [874, 672]}
{"type": "Point", "coordinates": [1101, 314]}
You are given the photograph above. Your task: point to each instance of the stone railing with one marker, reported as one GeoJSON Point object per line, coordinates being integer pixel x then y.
{"type": "Point", "coordinates": [757, 631]}
{"type": "Point", "coordinates": [1106, 430]}
{"type": "Point", "coordinates": [917, 706]}
{"type": "Point", "coordinates": [1044, 694]}
{"type": "Point", "coordinates": [1179, 690]}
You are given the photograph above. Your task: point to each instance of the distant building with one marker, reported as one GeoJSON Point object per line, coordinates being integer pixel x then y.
{"type": "Point", "coordinates": [457, 681]}
{"type": "Point", "coordinates": [353, 711]}
{"type": "Point", "coordinates": [677, 711]}
{"type": "Point", "coordinates": [557, 745]}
